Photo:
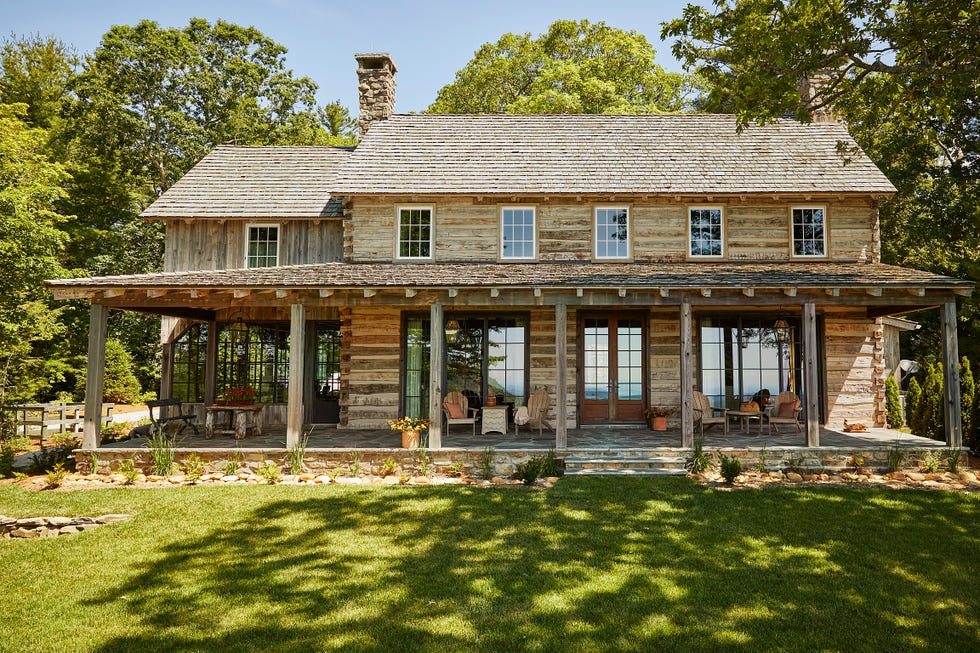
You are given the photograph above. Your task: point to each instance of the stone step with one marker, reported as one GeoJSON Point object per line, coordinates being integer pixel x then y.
{"type": "Point", "coordinates": [625, 472]}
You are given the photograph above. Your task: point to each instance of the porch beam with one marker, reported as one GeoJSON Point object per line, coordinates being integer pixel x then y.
{"type": "Point", "coordinates": [687, 375]}
{"type": "Point", "coordinates": [437, 367]}
{"type": "Point", "coordinates": [951, 372]}
{"type": "Point", "coordinates": [810, 374]}
{"type": "Point", "coordinates": [211, 364]}
{"type": "Point", "coordinates": [748, 292]}
{"type": "Point", "coordinates": [297, 349]}
{"type": "Point", "coordinates": [561, 376]}
{"type": "Point", "coordinates": [98, 327]}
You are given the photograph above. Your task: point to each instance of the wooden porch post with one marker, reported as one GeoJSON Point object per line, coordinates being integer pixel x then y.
{"type": "Point", "coordinates": [437, 366]}
{"type": "Point", "coordinates": [810, 381]}
{"type": "Point", "coordinates": [297, 347]}
{"type": "Point", "coordinates": [211, 364]}
{"type": "Point", "coordinates": [687, 375]}
{"type": "Point", "coordinates": [951, 381]}
{"type": "Point", "coordinates": [98, 326]}
{"type": "Point", "coordinates": [561, 373]}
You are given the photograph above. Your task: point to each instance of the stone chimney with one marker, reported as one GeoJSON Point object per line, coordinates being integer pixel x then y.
{"type": "Point", "coordinates": [376, 87]}
{"type": "Point", "coordinates": [811, 89]}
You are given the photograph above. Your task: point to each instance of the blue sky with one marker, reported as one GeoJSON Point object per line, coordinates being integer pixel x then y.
{"type": "Point", "coordinates": [429, 39]}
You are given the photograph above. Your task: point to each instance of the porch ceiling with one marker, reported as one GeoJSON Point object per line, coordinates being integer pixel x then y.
{"type": "Point", "coordinates": [571, 282]}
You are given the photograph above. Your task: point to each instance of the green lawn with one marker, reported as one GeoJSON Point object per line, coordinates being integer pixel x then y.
{"type": "Point", "coordinates": [592, 564]}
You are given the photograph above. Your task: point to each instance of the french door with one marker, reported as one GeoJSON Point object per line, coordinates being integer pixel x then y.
{"type": "Point", "coordinates": [612, 379]}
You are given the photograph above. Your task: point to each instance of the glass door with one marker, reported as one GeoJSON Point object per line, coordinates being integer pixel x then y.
{"type": "Point", "coordinates": [612, 376]}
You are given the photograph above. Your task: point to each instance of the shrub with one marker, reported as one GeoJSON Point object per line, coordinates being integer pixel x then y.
{"type": "Point", "coordinates": [932, 460]}
{"type": "Point", "coordinates": [46, 459]}
{"type": "Point", "coordinates": [730, 468]}
{"type": "Point", "coordinates": [933, 424]}
{"type": "Point", "coordinates": [913, 402]}
{"type": "Point", "coordinates": [456, 469]}
{"type": "Point", "coordinates": [67, 440]}
{"type": "Point", "coordinates": [6, 461]}
{"type": "Point", "coordinates": [388, 468]}
{"type": "Point", "coordinates": [161, 452]}
{"type": "Point", "coordinates": [551, 465]}
{"type": "Point", "coordinates": [56, 475]}
{"type": "Point", "coordinates": [968, 392]}
{"type": "Point", "coordinates": [486, 464]}
{"type": "Point", "coordinates": [529, 472]}
{"type": "Point", "coordinates": [193, 468]}
{"type": "Point", "coordinates": [893, 403]}
{"type": "Point", "coordinates": [270, 472]}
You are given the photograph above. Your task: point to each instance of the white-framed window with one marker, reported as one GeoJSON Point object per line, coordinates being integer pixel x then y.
{"type": "Point", "coordinates": [414, 232]}
{"type": "Point", "coordinates": [706, 228]}
{"type": "Point", "coordinates": [808, 225]}
{"type": "Point", "coordinates": [262, 245]}
{"type": "Point", "coordinates": [518, 232]}
{"type": "Point", "coordinates": [612, 232]}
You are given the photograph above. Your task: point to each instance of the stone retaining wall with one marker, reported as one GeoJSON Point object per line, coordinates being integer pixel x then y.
{"type": "Point", "coordinates": [52, 526]}
{"type": "Point", "coordinates": [504, 461]}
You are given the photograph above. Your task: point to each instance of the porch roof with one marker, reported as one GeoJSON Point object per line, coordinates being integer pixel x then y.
{"type": "Point", "coordinates": [570, 274]}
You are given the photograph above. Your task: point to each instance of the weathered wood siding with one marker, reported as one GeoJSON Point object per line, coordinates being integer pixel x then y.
{"type": "Point", "coordinates": [467, 229]}
{"type": "Point", "coordinates": [664, 361]}
{"type": "Point", "coordinates": [855, 368]}
{"type": "Point", "coordinates": [373, 390]}
{"type": "Point", "coordinates": [542, 372]}
{"type": "Point", "coordinates": [219, 245]}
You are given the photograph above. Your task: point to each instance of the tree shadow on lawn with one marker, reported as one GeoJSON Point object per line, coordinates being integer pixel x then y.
{"type": "Point", "coordinates": [593, 564]}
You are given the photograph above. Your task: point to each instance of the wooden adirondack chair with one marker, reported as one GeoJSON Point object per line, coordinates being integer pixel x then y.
{"type": "Point", "coordinates": [537, 411]}
{"type": "Point", "coordinates": [707, 412]}
{"type": "Point", "coordinates": [786, 410]}
{"type": "Point", "coordinates": [456, 408]}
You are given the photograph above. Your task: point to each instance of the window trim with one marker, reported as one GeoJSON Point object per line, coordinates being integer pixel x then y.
{"type": "Point", "coordinates": [595, 232]}
{"type": "Point", "coordinates": [248, 241]}
{"type": "Point", "coordinates": [398, 231]}
{"type": "Point", "coordinates": [500, 240]}
{"type": "Point", "coordinates": [826, 232]}
{"type": "Point", "coordinates": [724, 232]}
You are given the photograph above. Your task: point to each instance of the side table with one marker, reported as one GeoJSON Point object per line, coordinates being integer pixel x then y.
{"type": "Point", "coordinates": [494, 419]}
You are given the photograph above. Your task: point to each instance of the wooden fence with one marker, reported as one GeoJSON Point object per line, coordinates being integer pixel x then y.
{"type": "Point", "coordinates": [44, 420]}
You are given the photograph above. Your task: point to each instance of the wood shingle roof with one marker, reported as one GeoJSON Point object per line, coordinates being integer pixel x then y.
{"type": "Point", "coordinates": [609, 154]}
{"type": "Point", "coordinates": [256, 182]}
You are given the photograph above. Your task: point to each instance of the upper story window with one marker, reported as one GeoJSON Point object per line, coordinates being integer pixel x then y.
{"type": "Point", "coordinates": [415, 233]}
{"type": "Point", "coordinates": [517, 232]}
{"type": "Point", "coordinates": [263, 246]}
{"type": "Point", "coordinates": [809, 231]}
{"type": "Point", "coordinates": [612, 232]}
{"type": "Point", "coordinates": [706, 228]}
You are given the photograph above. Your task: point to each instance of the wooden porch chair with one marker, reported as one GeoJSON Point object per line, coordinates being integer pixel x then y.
{"type": "Point", "coordinates": [786, 410]}
{"type": "Point", "coordinates": [456, 408]}
{"type": "Point", "coordinates": [707, 412]}
{"type": "Point", "coordinates": [537, 412]}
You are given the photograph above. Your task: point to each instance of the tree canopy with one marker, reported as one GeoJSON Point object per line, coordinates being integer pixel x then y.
{"type": "Point", "coordinates": [903, 75]}
{"type": "Point", "coordinates": [575, 67]}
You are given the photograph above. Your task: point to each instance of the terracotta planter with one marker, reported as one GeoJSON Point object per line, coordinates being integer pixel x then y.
{"type": "Point", "coordinates": [491, 401]}
{"type": "Point", "coordinates": [410, 439]}
{"type": "Point", "coordinates": [659, 423]}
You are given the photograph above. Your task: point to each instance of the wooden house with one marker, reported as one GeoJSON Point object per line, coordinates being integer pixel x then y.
{"type": "Point", "coordinates": [616, 262]}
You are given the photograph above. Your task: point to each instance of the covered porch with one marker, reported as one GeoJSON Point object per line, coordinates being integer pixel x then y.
{"type": "Point", "coordinates": [666, 300]}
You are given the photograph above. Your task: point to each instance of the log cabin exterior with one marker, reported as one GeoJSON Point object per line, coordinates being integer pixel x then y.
{"type": "Point", "coordinates": [616, 262]}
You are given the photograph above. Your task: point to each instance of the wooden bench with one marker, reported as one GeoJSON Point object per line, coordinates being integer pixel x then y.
{"type": "Point", "coordinates": [161, 423]}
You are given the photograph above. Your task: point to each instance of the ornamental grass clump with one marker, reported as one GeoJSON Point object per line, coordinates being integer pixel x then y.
{"type": "Point", "coordinates": [162, 452]}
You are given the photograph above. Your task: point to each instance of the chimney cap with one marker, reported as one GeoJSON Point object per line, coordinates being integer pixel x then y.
{"type": "Point", "coordinates": [375, 61]}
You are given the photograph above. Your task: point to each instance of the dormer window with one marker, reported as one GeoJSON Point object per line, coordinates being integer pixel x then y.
{"type": "Point", "coordinates": [262, 249]}
{"type": "Point", "coordinates": [706, 229]}
{"type": "Point", "coordinates": [808, 224]}
{"type": "Point", "coordinates": [517, 232]}
{"type": "Point", "coordinates": [415, 232]}
{"type": "Point", "coordinates": [612, 232]}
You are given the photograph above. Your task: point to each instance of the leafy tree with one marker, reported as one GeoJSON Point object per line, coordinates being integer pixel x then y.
{"type": "Point", "coordinates": [121, 385]}
{"type": "Point", "coordinates": [893, 403]}
{"type": "Point", "coordinates": [903, 74]}
{"type": "Point", "coordinates": [575, 67]}
{"type": "Point", "coordinates": [31, 242]}
{"type": "Point", "coordinates": [36, 71]}
{"type": "Point", "coordinates": [913, 405]}
{"type": "Point", "coordinates": [968, 400]}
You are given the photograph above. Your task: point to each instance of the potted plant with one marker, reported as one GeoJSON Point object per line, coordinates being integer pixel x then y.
{"type": "Point", "coordinates": [410, 428]}
{"type": "Point", "coordinates": [657, 417]}
{"type": "Point", "coordinates": [237, 396]}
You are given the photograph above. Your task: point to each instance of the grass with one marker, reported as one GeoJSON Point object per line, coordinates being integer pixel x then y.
{"type": "Point", "coordinates": [593, 564]}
